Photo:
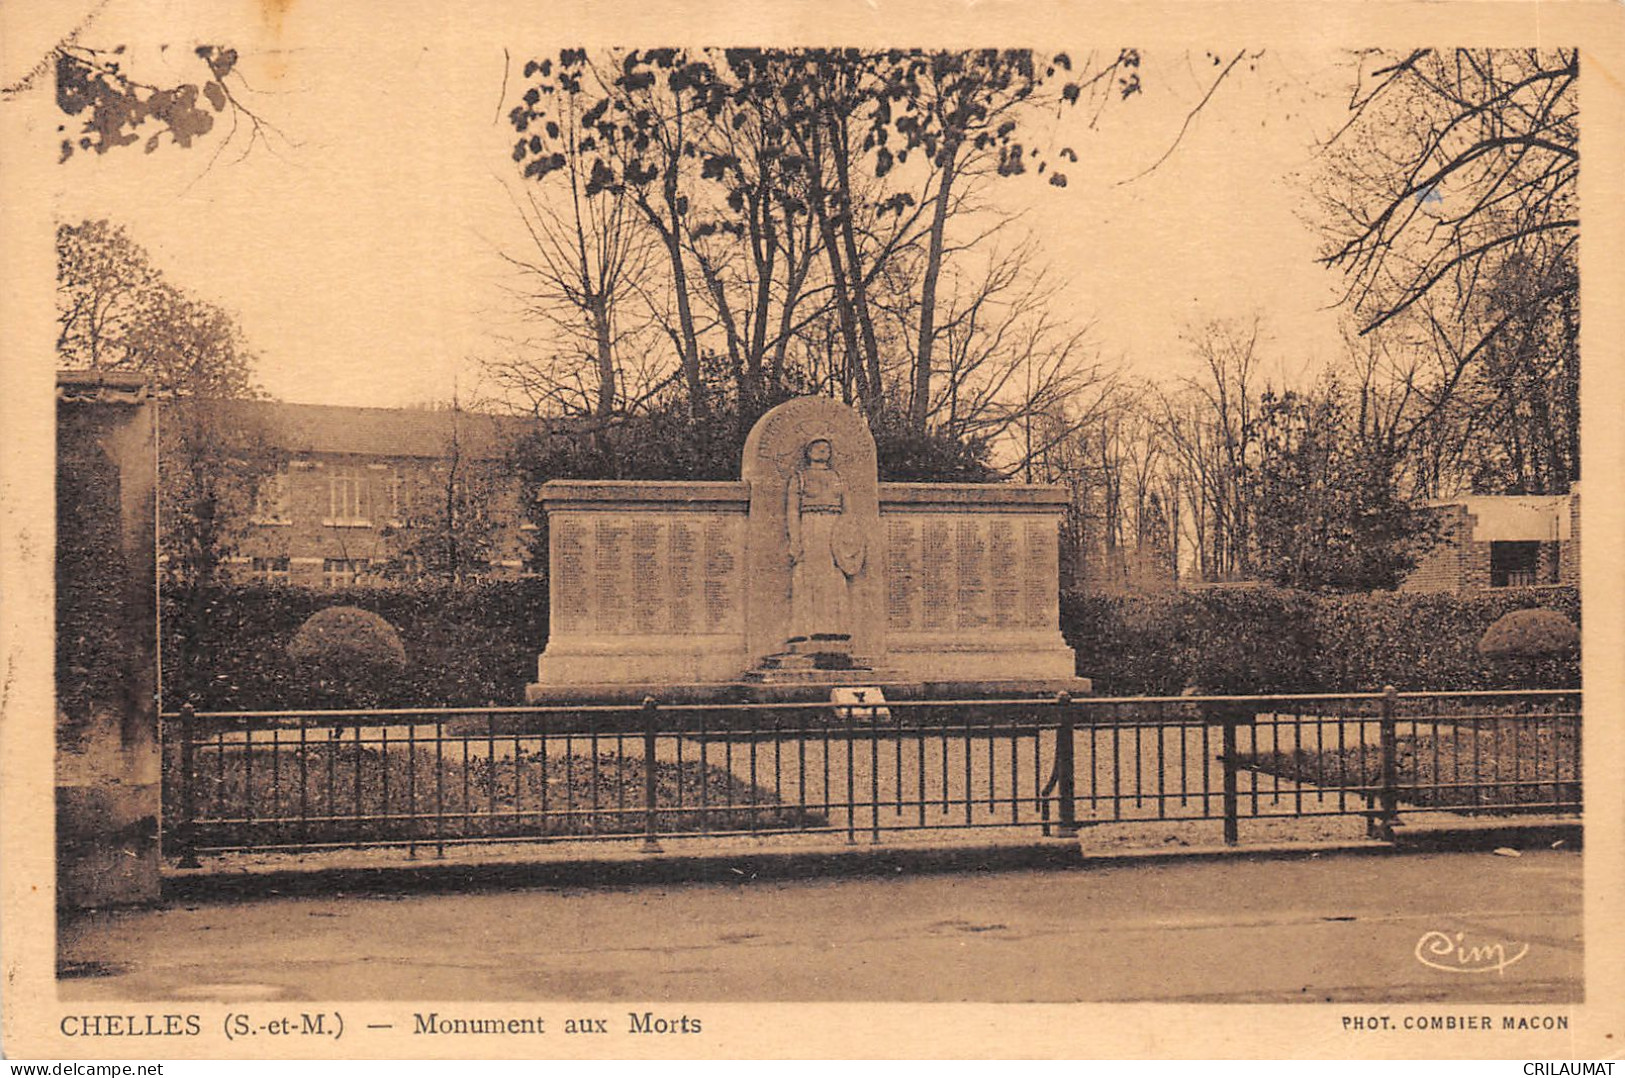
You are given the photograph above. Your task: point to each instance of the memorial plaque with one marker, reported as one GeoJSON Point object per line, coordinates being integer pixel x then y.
{"type": "Point", "coordinates": [1005, 573]}
{"type": "Point", "coordinates": [681, 547]}
{"type": "Point", "coordinates": [970, 549]}
{"type": "Point", "coordinates": [646, 573]}
{"type": "Point", "coordinates": [1041, 569]}
{"type": "Point", "coordinates": [648, 577]}
{"type": "Point", "coordinates": [572, 611]}
{"type": "Point", "coordinates": [721, 578]}
{"type": "Point", "coordinates": [937, 575]}
{"type": "Point", "coordinates": [902, 574]}
{"type": "Point", "coordinates": [611, 574]}
{"type": "Point", "coordinates": [971, 573]}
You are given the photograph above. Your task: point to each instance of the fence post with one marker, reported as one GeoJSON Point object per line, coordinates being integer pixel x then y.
{"type": "Point", "coordinates": [1229, 757]}
{"type": "Point", "coordinates": [650, 843]}
{"type": "Point", "coordinates": [1065, 769]}
{"type": "Point", "coordinates": [1388, 814]}
{"type": "Point", "coordinates": [185, 833]}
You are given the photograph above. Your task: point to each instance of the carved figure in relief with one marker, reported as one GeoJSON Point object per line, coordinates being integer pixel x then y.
{"type": "Point", "coordinates": [826, 547]}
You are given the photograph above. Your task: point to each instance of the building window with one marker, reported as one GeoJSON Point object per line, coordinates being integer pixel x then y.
{"type": "Point", "coordinates": [344, 572]}
{"type": "Point", "coordinates": [396, 490]}
{"type": "Point", "coordinates": [269, 570]}
{"type": "Point", "coordinates": [1514, 564]}
{"type": "Point", "coordinates": [347, 498]}
{"type": "Point", "coordinates": [271, 498]}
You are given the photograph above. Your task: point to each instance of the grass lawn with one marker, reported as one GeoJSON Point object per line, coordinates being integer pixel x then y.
{"type": "Point", "coordinates": [350, 793]}
{"type": "Point", "coordinates": [1485, 767]}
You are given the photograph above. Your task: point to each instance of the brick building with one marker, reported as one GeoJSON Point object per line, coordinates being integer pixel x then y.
{"type": "Point", "coordinates": [344, 496]}
{"type": "Point", "coordinates": [1504, 540]}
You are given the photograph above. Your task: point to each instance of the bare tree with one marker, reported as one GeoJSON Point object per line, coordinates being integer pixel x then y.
{"type": "Point", "coordinates": [1449, 200]}
{"type": "Point", "coordinates": [624, 120]}
{"type": "Point", "coordinates": [828, 226]}
{"type": "Point", "coordinates": [588, 266]}
{"type": "Point", "coordinates": [752, 232]}
{"type": "Point", "coordinates": [1014, 372]}
{"type": "Point", "coordinates": [450, 530]}
{"type": "Point", "coordinates": [1216, 435]}
{"type": "Point", "coordinates": [1124, 514]}
{"type": "Point", "coordinates": [963, 111]}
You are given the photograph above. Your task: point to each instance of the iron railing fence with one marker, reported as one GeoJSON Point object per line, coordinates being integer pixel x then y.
{"type": "Point", "coordinates": [429, 778]}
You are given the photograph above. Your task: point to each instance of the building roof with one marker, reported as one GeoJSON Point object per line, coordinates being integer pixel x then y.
{"type": "Point", "coordinates": [385, 432]}
{"type": "Point", "coordinates": [1516, 517]}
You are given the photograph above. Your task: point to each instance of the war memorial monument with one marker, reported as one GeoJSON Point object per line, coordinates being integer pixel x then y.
{"type": "Point", "coordinates": [805, 575]}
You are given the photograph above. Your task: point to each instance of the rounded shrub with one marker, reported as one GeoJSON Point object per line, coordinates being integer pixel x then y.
{"type": "Point", "coordinates": [350, 655]}
{"type": "Point", "coordinates": [1531, 649]}
{"type": "Point", "coordinates": [1529, 635]}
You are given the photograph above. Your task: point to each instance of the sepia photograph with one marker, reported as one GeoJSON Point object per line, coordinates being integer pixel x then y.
{"type": "Point", "coordinates": [566, 533]}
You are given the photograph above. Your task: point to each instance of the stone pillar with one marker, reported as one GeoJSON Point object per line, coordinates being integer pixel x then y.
{"type": "Point", "coordinates": [1475, 555]}
{"type": "Point", "coordinates": [1549, 567]}
{"type": "Point", "coordinates": [1569, 563]}
{"type": "Point", "coordinates": [108, 790]}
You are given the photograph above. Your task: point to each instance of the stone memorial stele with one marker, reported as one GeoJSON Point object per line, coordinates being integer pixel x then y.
{"type": "Point", "coordinates": [805, 574]}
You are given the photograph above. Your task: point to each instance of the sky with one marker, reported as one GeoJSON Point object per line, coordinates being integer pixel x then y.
{"type": "Point", "coordinates": [360, 244]}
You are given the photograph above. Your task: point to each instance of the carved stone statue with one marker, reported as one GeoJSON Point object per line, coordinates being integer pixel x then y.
{"type": "Point", "coordinates": [826, 550]}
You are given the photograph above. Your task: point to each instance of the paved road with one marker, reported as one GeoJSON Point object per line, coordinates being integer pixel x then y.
{"type": "Point", "coordinates": [1334, 928]}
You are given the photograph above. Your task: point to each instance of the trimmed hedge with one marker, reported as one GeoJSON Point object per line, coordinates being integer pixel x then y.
{"type": "Point", "coordinates": [1233, 640]}
{"type": "Point", "coordinates": [475, 645]}
{"type": "Point", "coordinates": [1246, 640]}
{"type": "Point", "coordinates": [226, 648]}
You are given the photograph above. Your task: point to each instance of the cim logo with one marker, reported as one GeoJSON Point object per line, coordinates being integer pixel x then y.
{"type": "Point", "coordinates": [1453, 954]}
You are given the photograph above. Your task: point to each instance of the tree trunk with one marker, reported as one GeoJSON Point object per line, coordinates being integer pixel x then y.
{"type": "Point", "coordinates": [845, 310]}
{"type": "Point", "coordinates": [764, 241]}
{"type": "Point", "coordinates": [859, 293]}
{"type": "Point", "coordinates": [671, 238]}
{"type": "Point", "coordinates": [844, 306]}
{"type": "Point", "coordinates": [920, 404]}
{"type": "Point", "coordinates": [606, 356]}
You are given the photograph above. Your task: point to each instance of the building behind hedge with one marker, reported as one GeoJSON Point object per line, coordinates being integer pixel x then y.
{"type": "Point", "coordinates": [1502, 541]}
{"type": "Point", "coordinates": [340, 497]}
